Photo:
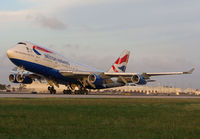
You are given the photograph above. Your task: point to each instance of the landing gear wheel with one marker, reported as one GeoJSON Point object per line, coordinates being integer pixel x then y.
{"type": "Point", "coordinates": [78, 92]}
{"type": "Point", "coordinates": [86, 92]}
{"type": "Point", "coordinates": [67, 92]}
{"type": "Point", "coordinates": [51, 90]}
{"type": "Point", "coordinates": [54, 91]}
{"type": "Point", "coordinates": [83, 91]}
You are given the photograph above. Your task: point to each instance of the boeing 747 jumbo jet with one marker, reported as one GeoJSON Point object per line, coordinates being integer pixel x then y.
{"type": "Point", "coordinates": [41, 63]}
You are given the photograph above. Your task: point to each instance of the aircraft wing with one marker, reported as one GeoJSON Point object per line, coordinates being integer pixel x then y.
{"type": "Point", "coordinates": [75, 73]}
{"type": "Point", "coordinates": [35, 76]}
{"type": "Point", "coordinates": [147, 75]}
{"type": "Point", "coordinates": [109, 74]}
{"type": "Point", "coordinates": [122, 77]}
{"type": "Point", "coordinates": [170, 73]}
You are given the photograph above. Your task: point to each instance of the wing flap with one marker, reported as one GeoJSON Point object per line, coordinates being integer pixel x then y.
{"type": "Point", "coordinates": [118, 74]}
{"type": "Point", "coordinates": [74, 73]}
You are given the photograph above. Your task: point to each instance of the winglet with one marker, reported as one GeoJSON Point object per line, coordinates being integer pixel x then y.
{"type": "Point", "coordinates": [190, 71]}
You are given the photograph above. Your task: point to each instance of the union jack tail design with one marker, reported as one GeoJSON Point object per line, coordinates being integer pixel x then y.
{"type": "Point", "coordinates": [121, 63]}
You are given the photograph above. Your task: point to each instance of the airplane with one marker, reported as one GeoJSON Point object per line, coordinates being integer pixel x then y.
{"type": "Point", "coordinates": [44, 64]}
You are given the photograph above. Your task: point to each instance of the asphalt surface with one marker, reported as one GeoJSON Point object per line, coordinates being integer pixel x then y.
{"type": "Point", "coordinates": [28, 95]}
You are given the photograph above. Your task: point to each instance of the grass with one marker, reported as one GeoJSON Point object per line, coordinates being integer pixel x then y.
{"type": "Point", "coordinates": [100, 118]}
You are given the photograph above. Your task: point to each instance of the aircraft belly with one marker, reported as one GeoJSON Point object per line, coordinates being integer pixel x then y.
{"type": "Point", "coordinates": [42, 70]}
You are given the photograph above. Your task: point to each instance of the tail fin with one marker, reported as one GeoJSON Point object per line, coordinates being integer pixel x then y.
{"type": "Point", "coordinates": [121, 63]}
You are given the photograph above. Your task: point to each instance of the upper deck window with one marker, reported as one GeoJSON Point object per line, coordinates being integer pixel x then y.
{"type": "Point", "coordinates": [22, 43]}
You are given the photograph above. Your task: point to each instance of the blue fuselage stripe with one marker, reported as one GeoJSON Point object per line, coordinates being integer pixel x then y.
{"type": "Point", "coordinates": [36, 52]}
{"type": "Point", "coordinates": [43, 70]}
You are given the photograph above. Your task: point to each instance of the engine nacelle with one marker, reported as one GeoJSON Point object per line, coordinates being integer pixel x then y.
{"type": "Point", "coordinates": [95, 79]}
{"type": "Point", "coordinates": [12, 78]}
{"type": "Point", "coordinates": [23, 79]}
{"type": "Point", "coordinates": [138, 79]}
{"type": "Point", "coordinates": [17, 78]}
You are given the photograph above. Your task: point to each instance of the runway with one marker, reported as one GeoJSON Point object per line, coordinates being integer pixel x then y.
{"type": "Point", "coordinates": [28, 95]}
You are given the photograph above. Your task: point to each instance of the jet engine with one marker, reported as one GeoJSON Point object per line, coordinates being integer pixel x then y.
{"type": "Point", "coordinates": [17, 78]}
{"type": "Point", "coordinates": [95, 79]}
{"type": "Point", "coordinates": [139, 79]}
{"type": "Point", "coordinates": [12, 78]}
{"type": "Point", "coordinates": [23, 79]}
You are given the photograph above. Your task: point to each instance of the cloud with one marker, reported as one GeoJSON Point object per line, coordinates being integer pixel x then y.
{"type": "Point", "coordinates": [45, 12]}
{"type": "Point", "coordinates": [33, 16]}
{"type": "Point", "coordinates": [48, 22]}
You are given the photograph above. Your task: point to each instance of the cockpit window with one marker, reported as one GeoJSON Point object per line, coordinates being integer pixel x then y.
{"type": "Point", "coordinates": [22, 43]}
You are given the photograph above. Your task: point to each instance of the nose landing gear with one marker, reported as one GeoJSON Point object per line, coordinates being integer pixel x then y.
{"type": "Point", "coordinates": [51, 90]}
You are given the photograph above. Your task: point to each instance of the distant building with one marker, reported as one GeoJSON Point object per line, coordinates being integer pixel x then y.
{"type": "Point", "coordinates": [140, 90]}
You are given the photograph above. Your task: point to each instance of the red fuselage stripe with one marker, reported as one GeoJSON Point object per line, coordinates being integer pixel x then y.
{"type": "Point", "coordinates": [41, 49]}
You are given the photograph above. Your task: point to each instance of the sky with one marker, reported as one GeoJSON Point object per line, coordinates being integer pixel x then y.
{"type": "Point", "coordinates": [162, 35]}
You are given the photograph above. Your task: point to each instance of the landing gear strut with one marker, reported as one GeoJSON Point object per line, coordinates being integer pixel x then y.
{"type": "Point", "coordinates": [51, 90]}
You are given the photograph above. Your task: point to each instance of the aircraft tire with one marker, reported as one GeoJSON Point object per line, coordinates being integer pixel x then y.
{"type": "Point", "coordinates": [67, 92]}
{"type": "Point", "coordinates": [54, 91]}
{"type": "Point", "coordinates": [51, 90]}
{"type": "Point", "coordinates": [86, 92]}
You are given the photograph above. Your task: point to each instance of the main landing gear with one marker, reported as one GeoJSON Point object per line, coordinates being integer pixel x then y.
{"type": "Point", "coordinates": [77, 92]}
{"type": "Point", "coordinates": [67, 92]}
{"type": "Point", "coordinates": [51, 90]}
{"type": "Point", "coordinates": [81, 91]}
{"type": "Point", "coordinates": [71, 90]}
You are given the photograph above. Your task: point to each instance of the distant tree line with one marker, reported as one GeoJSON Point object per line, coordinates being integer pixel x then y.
{"type": "Point", "coordinates": [2, 86]}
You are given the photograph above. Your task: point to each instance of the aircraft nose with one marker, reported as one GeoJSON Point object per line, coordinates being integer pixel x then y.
{"type": "Point", "coordinates": [9, 53]}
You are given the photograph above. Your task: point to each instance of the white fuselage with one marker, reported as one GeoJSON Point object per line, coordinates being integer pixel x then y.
{"type": "Point", "coordinates": [45, 57]}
